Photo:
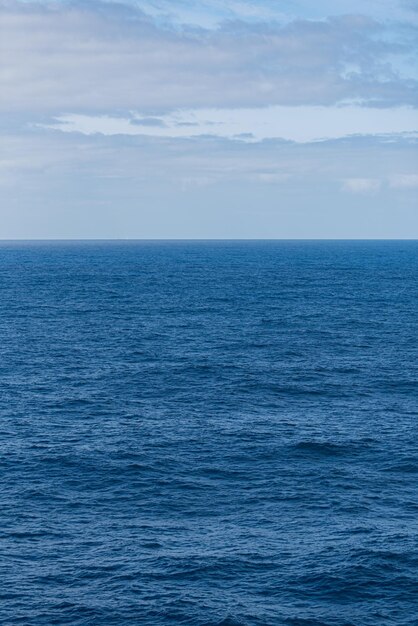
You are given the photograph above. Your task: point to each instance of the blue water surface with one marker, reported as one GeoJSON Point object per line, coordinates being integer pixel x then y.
{"type": "Point", "coordinates": [209, 433]}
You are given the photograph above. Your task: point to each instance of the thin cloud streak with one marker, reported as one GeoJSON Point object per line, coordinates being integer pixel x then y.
{"type": "Point", "coordinates": [301, 124]}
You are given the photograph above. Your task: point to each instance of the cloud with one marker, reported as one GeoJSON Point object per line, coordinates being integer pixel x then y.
{"type": "Point", "coordinates": [119, 121]}
{"type": "Point", "coordinates": [151, 122]}
{"type": "Point", "coordinates": [304, 123]}
{"type": "Point", "coordinates": [361, 185]}
{"type": "Point", "coordinates": [272, 177]}
{"type": "Point", "coordinates": [97, 57]}
{"type": "Point", "coordinates": [210, 13]}
{"type": "Point", "coordinates": [404, 181]}
{"type": "Point", "coordinates": [361, 162]}
{"type": "Point", "coordinates": [55, 184]}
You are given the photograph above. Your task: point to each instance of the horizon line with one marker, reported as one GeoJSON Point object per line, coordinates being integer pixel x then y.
{"type": "Point", "coordinates": [196, 239]}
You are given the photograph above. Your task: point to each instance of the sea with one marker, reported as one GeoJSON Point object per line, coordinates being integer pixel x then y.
{"type": "Point", "coordinates": [209, 433]}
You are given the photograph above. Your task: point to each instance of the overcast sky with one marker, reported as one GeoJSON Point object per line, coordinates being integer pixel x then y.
{"type": "Point", "coordinates": [201, 119]}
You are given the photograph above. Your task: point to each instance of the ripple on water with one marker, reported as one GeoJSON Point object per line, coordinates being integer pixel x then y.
{"type": "Point", "coordinates": [209, 434]}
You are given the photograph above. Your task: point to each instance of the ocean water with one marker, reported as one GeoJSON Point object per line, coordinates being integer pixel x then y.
{"type": "Point", "coordinates": [209, 433]}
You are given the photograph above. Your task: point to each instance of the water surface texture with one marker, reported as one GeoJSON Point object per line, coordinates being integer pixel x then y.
{"type": "Point", "coordinates": [210, 434]}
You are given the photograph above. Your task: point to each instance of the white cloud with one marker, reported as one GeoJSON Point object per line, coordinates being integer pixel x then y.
{"type": "Point", "coordinates": [272, 177]}
{"type": "Point", "coordinates": [301, 124]}
{"type": "Point", "coordinates": [171, 128]}
{"type": "Point", "coordinates": [360, 162]}
{"type": "Point", "coordinates": [361, 185]}
{"type": "Point", "coordinates": [99, 57]}
{"type": "Point", "coordinates": [56, 184]}
{"type": "Point", "coordinates": [404, 181]}
{"type": "Point", "coordinates": [209, 13]}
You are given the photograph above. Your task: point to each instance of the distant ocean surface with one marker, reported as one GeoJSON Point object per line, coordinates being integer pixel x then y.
{"type": "Point", "coordinates": [209, 433]}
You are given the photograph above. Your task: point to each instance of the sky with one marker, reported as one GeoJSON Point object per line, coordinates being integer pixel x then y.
{"type": "Point", "coordinates": [208, 119]}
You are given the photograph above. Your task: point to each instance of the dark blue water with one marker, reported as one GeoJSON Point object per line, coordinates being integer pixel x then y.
{"type": "Point", "coordinates": [209, 433]}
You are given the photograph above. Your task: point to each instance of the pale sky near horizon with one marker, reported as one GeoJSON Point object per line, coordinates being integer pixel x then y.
{"type": "Point", "coordinates": [209, 119]}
